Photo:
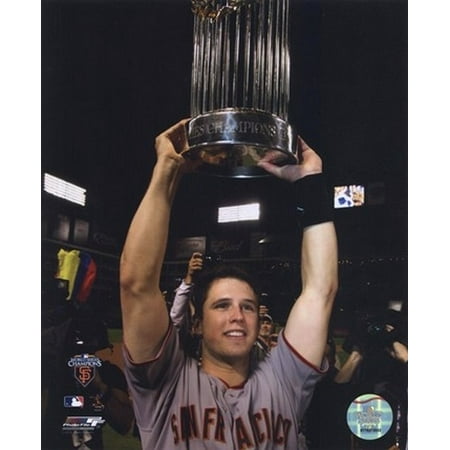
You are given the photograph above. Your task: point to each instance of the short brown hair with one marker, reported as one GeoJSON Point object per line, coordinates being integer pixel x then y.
{"type": "Point", "coordinates": [217, 272]}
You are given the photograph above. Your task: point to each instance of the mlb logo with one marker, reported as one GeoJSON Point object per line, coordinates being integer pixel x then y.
{"type": "Point", "coordinates": [73, 401]}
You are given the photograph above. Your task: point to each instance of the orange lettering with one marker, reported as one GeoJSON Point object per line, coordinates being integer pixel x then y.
{"type": "Point", "coordinates": [208, 420]}
{"type": "Point", "coordinates": [173, 424]}
{"type": "Point", "coordinates": [243, 438]}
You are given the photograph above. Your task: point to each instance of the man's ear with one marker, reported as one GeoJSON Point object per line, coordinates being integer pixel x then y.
{"type": "Point", "coordinates": [197, 327]}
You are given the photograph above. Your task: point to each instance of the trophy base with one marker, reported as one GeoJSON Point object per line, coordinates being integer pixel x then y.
{"type": "Point", "coordinates": [231, 142]}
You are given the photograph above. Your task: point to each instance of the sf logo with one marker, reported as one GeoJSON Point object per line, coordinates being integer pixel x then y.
{"type": "Point", "coordinates": [84, 374]}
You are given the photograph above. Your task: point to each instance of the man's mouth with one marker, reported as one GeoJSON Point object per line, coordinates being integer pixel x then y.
{"type": "Point", "coordinates": [235, 333]}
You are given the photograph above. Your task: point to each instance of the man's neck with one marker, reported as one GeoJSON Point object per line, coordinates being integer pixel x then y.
{"type": "Point", "coordinates": [232, 375]}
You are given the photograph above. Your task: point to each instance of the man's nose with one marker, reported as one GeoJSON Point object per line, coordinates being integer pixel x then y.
{"type": "Point", "coordinates": [236, 314]}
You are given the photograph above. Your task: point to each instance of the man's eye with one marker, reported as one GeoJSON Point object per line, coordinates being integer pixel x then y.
{"type": "Point", "coordinates": [249, 307]}
{"type": "Point", "coordinates": [221, 305]}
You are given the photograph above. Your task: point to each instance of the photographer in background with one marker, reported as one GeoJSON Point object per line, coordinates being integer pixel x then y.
{"type": "Point", "coordinates": [378, 363]}
{"type": "Point", "coordinates": [182, 310]}
{"type": "Point", "coordinates": [381, 340]}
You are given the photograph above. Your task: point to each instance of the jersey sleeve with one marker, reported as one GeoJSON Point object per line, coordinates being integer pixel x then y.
{"type": "Point", "coordinates": [297, 375]}
{"type": "Point", "coordinates": [151, 373]}
{"type": "Point", "coordinates": [152, 383]}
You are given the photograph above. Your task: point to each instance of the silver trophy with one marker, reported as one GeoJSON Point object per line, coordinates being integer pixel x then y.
{"type": "Point", "coordinates": [240, 86]}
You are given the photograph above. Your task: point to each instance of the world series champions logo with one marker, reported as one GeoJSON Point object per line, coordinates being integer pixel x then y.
{"type": "Point", "coordinates": [84, 374]}
{"type": "Point", "coordinates": [84, 367]}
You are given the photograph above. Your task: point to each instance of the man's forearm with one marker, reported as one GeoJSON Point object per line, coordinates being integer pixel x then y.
{"type": "Point", "coordinates": [348, 369]}
{"type": "Point", "coordinates": [319, 260]}
{"type": "Point", "coordinates": [145, 245]}
{"type": "Point", "coordinates": [179, 310]}
{"type": "Point", "coordinates": [307, 325]}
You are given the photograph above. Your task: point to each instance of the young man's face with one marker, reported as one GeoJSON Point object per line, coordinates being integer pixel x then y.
{"type": "Point", "coordinates": [265, 328]}
{"type": "Point", "coordinates": [230, 320]}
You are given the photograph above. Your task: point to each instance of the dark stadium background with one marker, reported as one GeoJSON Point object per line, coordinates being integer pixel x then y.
{"type": "Point", "coordinates": [116, 73]}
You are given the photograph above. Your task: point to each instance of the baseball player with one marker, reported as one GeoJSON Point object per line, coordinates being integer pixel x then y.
{"type": "Point", "coordinates": [225, 401]}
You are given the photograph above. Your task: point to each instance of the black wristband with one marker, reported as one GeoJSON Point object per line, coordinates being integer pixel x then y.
{"type": "Point", "coordinates": [313, 200]}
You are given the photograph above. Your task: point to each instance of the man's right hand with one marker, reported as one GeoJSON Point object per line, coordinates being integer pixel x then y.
{"type": "Point", "coordinates": [170, 145]}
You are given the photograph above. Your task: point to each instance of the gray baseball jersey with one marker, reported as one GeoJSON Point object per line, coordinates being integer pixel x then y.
{"type": "Point", "coordinates": [179, 406]}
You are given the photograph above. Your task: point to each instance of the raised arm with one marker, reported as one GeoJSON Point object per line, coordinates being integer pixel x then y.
{"type": "Point", "coordinates": [347, 371]}
{"type": "Point", "coordinates": [144, 311]}
{"type": "Point", "coordinates": [180, 308]}
{"type": "Point", "coordinates": [307, 325]}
